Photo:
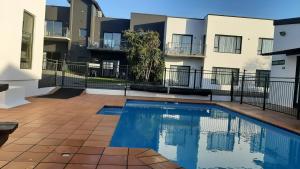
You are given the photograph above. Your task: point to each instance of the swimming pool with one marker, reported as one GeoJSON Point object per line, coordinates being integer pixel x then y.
{"type": "Point", "coordinates": [205, 136]}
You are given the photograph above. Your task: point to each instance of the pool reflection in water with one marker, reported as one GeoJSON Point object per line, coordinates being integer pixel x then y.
{"type": "Point", "coordinates": [206, 136]}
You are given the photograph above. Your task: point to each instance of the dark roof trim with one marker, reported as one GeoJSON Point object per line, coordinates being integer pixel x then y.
{"type": "Point", "coordinates": [287, 21]}
{"type": "Point", "coordinates": [96, 5]}
{"type": "Point", "coordinates": [239, 17]}
{"type": "Point", "coordinates": [166, 16]}
{"type": "Point", "coordinates": [287, 52]}
{"type": "Point", "coordinates": [56, 6]}
{"type": "Point", "coordinates": [116, 18]}
{"type": "Point", "coordinates": [204, 17]}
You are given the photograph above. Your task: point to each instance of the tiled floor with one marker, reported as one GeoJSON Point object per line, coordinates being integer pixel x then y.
{"type": "Point", "coordinates": [68, 134]}
{"type": "Point", "coordinates": [56, 134]}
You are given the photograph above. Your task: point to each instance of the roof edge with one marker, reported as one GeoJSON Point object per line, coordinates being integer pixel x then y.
{"type": "Point", "coordinates": [287, 21]}
{"type": "Point", "coordinates": [245, 17]}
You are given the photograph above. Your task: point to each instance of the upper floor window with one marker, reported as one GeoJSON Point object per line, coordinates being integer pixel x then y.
{"type": "Point", "coordinates": [265, 46]}
{"type": "Point", "coordinates": [112, 40]}
{"type": "Point", "coordinates": [182, 43]}
{"type": "Point", "coordinates": [82, 33]}
{"type": "Point", "coordinates": [27, 41]}
{"type": "Point", "coordinates": [228, 44]}
{"type": "Point", "coordinates": [223, 76]}
{"type": "Point", "coordinates": [54, 28]}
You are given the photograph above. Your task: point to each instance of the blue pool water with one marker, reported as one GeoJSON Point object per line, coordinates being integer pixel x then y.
{"type": "Point", "coordinates": [107, 110]}
{"type": "Point", "coordinates": [206, 136]}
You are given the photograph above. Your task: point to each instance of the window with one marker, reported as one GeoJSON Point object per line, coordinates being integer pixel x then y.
{"type": "Point", "coordinates": [223, 76]}
{"type": "Point", "coordinates": [108, 64]}
{"type": "Point", "coordinates": [261, 76]}
{"type": "Point", "coordinates": [53, 28]}
{"type": "Point", "coordinates": [179, 75]}
{"type": "Point", "coordinates": [110, 68]}
{"type": "Point", "coordinates": [265, 46]}
{"type": "Point", "coordinates": [82, 33]}
{"type": "Point", "coordinates": [27, 41]}
{"type": "Point", "coordinates": [182, 43]}
{"type": "Point", "coordinates": [204, 44]}
{"type": "Point", "coordinates": [112, 40]}
{"type": "Point", "coordinates": [228, 44]}
{"type": "Point", "coordinates": [278, 62]}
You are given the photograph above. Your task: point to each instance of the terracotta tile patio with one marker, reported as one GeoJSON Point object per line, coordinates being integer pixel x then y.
{"type": "Point", "coordinates": [56, 134]}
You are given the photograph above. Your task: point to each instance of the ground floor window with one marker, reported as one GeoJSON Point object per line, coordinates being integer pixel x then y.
{"type": "Point", "coordinates": [110, 68]}
{"type": "Point", "coordinates": [261, 76]}
{"type": "Point", "coordinates": [179, 75]}
{"type": "Point", "coordinates": [27, 41]}
{"type": "Point", "coordinates": [223, 76]}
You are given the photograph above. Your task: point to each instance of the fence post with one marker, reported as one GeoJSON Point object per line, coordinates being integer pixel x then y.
{"type": "Point", "coordinates": [126, 80]}
{"type": "Point", "coordinates": [298, 104]}
{"type": "Point", "coordinates": [201, 78]}
{"type": "Point", "coordinates": [86, 75]}
{"type": "Point", "coordinates": [165, 77]}
{"type": "Point", "coordinates": [63, 73]}
{"type": "Point", "coordinates": [298, 107]}
{"type": "Point", "coordinates": [55, 73]}
{"type": "Point", "coordinates": [265, 93]}
{"type": "Point", "coordinates": [242, 91]}
{"type": "Point", "coordinates": [195, 72]}
{"type": "Point", "coordinates": [231, 86]}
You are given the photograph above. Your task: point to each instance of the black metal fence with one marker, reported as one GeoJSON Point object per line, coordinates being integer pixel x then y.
{"type": "Point", "coordinates": [277, 94]}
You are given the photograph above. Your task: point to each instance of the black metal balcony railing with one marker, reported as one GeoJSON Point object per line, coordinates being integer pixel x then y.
{"type": "Point", "coordinates": [64, 33]}
{"type": "Point", "coordinates": [108, 44]}
{"type": "Point", "coordinates": [186, 49]}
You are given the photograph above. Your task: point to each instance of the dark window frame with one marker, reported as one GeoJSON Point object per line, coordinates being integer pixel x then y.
{"type": "Point", "coordinates": [62, 25]}
{"type": "Point", "coordinates": [278, 62]}
{"type": "Point", "coordinates": [23, 65]}
{"type": "Point", "coordinates": [188, 75]}
{"type": "Point", "coordinates": [260, 48]}
{"type": "Point", "coordinates": [83, 37]}
{"type": "Point", "coordinates": [190, 35]}
{"type": "Point", "coordinates": [237, 50]}
{"type": "Point", "coordinates": [260, 78]}
{"type": "Point", "coordinates": [227, 74]}
{"type": "Point", "coordinates": [121, 36]}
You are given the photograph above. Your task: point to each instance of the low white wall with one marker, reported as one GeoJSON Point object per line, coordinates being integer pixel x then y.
{"type": "Point", "coordinates": [14, 96]}
{"type": "Point", "coordinates": [151, 94]}
{"type": "Point", "coordinates": [30, 87]}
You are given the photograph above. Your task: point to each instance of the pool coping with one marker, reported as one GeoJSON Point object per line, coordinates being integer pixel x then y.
{"type": "Point", "coordinates": [241, 110]}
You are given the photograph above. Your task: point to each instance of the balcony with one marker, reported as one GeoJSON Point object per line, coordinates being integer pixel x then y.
{"type": "Point", "coordinates": [58, 35]}
{"type": "Point", "coordinates": [107, 45]}
{"type": "Point", "coordinates": [184, 50]}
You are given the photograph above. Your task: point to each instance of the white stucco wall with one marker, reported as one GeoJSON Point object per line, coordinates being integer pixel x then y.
{"type": "Point", "coordinates": [250, 30]}
{"type": "Point", "coordinates": [11, 16]}
{"type": "Point", "coordinates": [282, 93]}
{"type": "Point", "coordinates": [194, 63]}
{"type": "Point", "coordinates": [289, 41]}
{"type": "Point", "coordinates": [187, 26]}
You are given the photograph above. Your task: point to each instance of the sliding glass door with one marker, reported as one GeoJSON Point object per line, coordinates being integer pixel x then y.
{"type": "Point", "coordinates": [182, 44]}
{"type": "Point", "coordinates": [179, 75]}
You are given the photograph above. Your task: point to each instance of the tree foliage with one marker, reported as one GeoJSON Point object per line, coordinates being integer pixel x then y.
{"type": "Point", "coordinates": [144, 55]}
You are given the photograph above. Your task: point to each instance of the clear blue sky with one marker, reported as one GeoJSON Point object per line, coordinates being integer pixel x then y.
{"type": "Point", "coordinates": [273, 9]}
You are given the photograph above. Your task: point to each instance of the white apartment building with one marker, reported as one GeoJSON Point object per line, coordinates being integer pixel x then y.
{"type": "Point", "coordinates": [21, 49]}
{"type": "Point", "coordinates": [216, 44]}
{"type": "Point", "coordinates": [286, 62]}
